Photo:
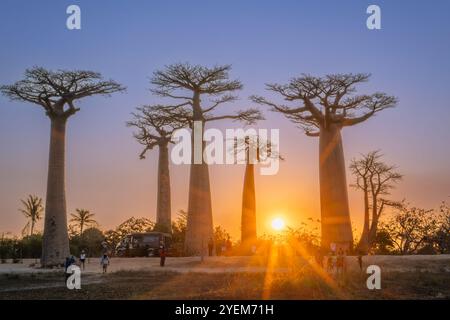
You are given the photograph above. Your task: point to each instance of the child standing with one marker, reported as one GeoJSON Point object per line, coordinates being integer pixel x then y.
{"type": "Point", "coordinates": [104, 262]}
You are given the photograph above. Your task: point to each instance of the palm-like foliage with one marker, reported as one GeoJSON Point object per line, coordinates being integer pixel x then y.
{"type": "Point", "coordinates": [32, 209]}
{"type": "Point", "coordinates": [83, 218]}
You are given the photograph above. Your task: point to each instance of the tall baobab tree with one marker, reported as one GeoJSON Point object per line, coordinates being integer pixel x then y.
{"type": "Point", "coordinates": [375, 179]}
{"type": "Point", "coordinates": [32, 209]}
{"type": "Point", "coordinates": [56, 92]}
{"type": "Point", "coordinates": [83, 218]}
{"type": "Point", "coordinates": [324, 106]}
{"type": "Point", "coordinates": [193, 85]}
{"type": "Point", "coordinates": [155, 125]}
{"type": "Point", "coordinates": [256, 150]}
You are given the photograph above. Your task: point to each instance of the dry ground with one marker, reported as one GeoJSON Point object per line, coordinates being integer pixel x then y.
{"type": "Point", "coordinates": [411, 277]}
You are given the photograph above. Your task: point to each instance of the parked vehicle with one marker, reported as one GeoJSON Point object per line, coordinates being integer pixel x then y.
{"type": "Point", "coordinates": [143, 244]}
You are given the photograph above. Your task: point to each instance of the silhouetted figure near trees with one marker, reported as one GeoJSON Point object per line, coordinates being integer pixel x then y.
{"type": "Point", "coordinates": [210, 247]}
{"type": "Point", "coordinates": [360, 261]}
{"type": "Point", "coordinates": [162, 254]}
{"type": "Point", "coordinates": [323, 107]}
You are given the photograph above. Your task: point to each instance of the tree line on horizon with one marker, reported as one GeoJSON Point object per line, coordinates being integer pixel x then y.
{"type": "Point", "coordinates": [320, 106]}
{"type": "Point", "coordinates": [403, 231]}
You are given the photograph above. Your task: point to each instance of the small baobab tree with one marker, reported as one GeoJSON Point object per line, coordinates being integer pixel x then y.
{"type": "Point", "coordinates": [82, 218]}
{"type": "Point", "coordinates": [375, 179]}
{"type": "Point", "coordinates": [155, 125]}
{"type": "Point", "coordinates": [324, 106]}
{"type": "Point", "coordinates": [32, 210]}
{"type": "Point", "coordinates": [193, 85]}
{"type": "Point", "coordinates": [56, 92]}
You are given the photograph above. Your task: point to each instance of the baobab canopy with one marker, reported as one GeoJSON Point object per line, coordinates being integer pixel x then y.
{"type": "Point", "coordinates": [327, 101]}
{"type": "Point", "coordinates": [322, 106]}
{"type": "Point", "coordinates": [56, 92]}
{"type": "Point", "coordinates": [53, 90]}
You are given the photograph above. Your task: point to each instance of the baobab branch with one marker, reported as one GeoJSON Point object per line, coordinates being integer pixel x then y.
{"type": "Point", "coordinates": [240, 147]}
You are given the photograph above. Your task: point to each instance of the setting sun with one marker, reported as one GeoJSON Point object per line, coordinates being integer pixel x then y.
{"type": "Point", "coordinates": [278, 224]}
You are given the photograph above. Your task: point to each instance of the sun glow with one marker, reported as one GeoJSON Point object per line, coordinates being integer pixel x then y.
{"type": "Point", "coordinates": [278, 224]}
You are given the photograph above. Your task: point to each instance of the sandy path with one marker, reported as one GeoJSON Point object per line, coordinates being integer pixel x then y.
{"type": "Point", "coordinates": [436, 263]}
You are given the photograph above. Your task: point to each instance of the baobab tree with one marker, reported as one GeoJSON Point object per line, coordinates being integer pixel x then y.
{"type": "Point", "coordinates": [155, 125]}
{"type": "Point", "coordinates": [32, 209]}
{"type": "Point", "coordinates": [56, 92]}
{"type": "Point", "coordinates": [324, 106]}
{"type": "Point", "coordinates": [83, 218]}
{"type": "Point", "coordinates": [193, 85]}
{"type": "Point", "coordinates": [256, 150]}
{"type": "Point", "coordinates": [375, 179]}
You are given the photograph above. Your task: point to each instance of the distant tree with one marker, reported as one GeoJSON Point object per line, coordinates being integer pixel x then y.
{"type": "Point", "coordinates": [442, 237]}
{"type": "Point", "coordinates": [324, 106]}
{"type": "Point", "coordinates": [179, 233]}
{"type": "Point", "coordinates": [129, 226]}
{"type": "Point", "coordinates": [6, 246]}
{"type": "Point", "coordinates": [112, 238]}
{"type": "Point", "coordinates": [382, 244]}
{"type": "Point", "coordinates": [32, 210]}
{"type": "Point", "coordinates": [375, 179]}
{"type": "Point", "coordinates": [155, 125]}
{"type": "Point", "coordinates": [56, 92]}
{"type": "Point", "coordinates": [92, 240]}
{"type": "Point", "coordinates": [192, 85]}
{"type": "Point", "coordinates": [410, 228]}
{"type": "Point", "coordinates": [221, 236]}
{"type": "Point", "coordinates": [83, 218]}
{"type": "Point", "coordinates": [32, 246]}
{"type": "Point", "coordinates": [304, 239]}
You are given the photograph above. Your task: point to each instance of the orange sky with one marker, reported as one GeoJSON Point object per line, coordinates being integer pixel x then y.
{"type": "Point", "coordinates": [266, 42]}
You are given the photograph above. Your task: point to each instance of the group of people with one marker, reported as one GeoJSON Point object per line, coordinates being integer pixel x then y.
{"type": "Point", "coordinates": [222, 249]}
{"type": "Point", "coordinates": [336, 263]}
{"type": "Point", "coordinates": [71, 260]}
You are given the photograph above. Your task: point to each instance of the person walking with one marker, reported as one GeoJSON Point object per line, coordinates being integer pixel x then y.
{"type": "Point", "coordinates": [82, 259]}
{"type": "Point", "coordinates": [104, 262]}
{"type": "Point", "coordinates": [340, 262]}
{"type": "Point", "coordinates": [330, 263]}
{"type": "Point", "coordinates": [229, 246]}
{"type": "Point", "coordinates": [360, 261]}
{"type": "Point", "coordinates": [210, 247]}
{"type": "Point", "coordinates": [162, 255]}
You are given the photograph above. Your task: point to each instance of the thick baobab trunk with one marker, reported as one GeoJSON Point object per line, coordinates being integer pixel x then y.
{"type": "Point", "coordinates": [55, 246]}
{"type": "Point", "coordinates": [363, 244]}
{"type": "Point", "coordinates": [199, 230]}
{"type": "Point", "coordinates": [199, 223]}
{"type": "Point", "coordinates": [248, 219]}
{"type": "Point", "coordinates": [335, 213]}
{"type": "Point", "coordinates": [163, 209]}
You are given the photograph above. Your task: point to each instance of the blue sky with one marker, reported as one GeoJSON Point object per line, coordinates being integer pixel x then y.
{"type": "Point", "coordinates": [265, 41]}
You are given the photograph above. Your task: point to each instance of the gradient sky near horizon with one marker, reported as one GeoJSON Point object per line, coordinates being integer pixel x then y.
{"type": "Point", "coordinates": [264, 41]}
